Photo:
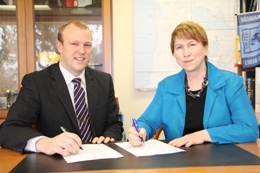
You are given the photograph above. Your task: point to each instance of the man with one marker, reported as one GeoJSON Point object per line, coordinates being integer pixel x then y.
{"type": "Point", "coordinates": [46, 101]}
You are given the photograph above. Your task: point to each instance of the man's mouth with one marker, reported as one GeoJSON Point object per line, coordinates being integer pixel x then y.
{"type": "Point", "coordinates": [80, 58]}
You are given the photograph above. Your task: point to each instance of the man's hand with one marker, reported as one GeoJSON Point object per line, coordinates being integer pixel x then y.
{"type": "Point", "coordinates": [101, 139]}
{"type": "Point", "coordinates": [64, 144]}
{"type": "Point", "coordinates": [134, 137]}
{"type": "Point", "coordinates": [198, 137]}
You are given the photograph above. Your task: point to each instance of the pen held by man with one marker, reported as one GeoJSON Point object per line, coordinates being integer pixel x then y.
{"type": "Point", "coordinates": [65, 144]}
{"type": "Point", "coordinates": [65, 130]}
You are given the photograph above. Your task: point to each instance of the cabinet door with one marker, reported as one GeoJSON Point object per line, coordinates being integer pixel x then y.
{"type": "Point", "coordinates": [49, 15]}
{"type": "Point", "coordinates": [32, 26]}
{"type": "Point", "coordinates": [8, 49]}
{"type": "Point", "coordinates": [12, 48]}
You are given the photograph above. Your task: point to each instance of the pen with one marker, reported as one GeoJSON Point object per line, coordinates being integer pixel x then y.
{"type": "Point", "coordinates": [137, 128]}
{"type": "Point", "coordinates": [65, 130]}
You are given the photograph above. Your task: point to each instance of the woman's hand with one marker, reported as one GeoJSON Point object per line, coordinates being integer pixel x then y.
{"type": "Point", "coordinates": [198, 137]}
{"type": "Point", "coordinates": [134, 137]}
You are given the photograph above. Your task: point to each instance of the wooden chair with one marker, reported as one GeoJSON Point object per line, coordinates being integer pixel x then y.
{"type": "Point", "coordinates": [117, 102]}
{"type": "Point", "coordinates": [157, 134]}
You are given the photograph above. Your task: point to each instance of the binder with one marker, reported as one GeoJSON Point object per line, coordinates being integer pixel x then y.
{"type": "Point", "coordinates": [257, 89]}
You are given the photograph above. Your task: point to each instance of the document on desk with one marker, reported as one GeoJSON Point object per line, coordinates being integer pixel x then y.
{"type": "Point", "coordinates": [151, 147]}
{"type": "Point", "coordinates": [93, 152]}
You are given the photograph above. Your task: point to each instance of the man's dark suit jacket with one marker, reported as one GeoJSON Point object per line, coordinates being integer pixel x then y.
{"type": "Point", "coordinates": [44, 101]}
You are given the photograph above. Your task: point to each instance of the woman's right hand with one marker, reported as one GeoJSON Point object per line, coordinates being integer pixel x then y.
{"type": "Point", "coordinates": [134, 137]}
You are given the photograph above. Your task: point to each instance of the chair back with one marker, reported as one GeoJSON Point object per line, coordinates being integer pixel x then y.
{"type": "Point", "coordinates": [157, 134]}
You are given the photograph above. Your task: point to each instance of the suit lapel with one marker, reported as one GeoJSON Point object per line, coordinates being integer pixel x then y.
{"type": "Point", "coordinates": [215, 82]}
{"type": "Point", "coordinates": [92, 93]}
{"type": "Point", "coordinates": [60, 87]}
{"type": "Point", "coordinates": [177, 90]}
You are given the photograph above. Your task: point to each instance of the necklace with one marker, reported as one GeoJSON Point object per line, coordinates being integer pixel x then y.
{"type": "Point", "coordinates": [203, 85]}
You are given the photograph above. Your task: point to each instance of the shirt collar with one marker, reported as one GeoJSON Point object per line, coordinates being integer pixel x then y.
{"type": "Point", "coordinates": [69, 77]}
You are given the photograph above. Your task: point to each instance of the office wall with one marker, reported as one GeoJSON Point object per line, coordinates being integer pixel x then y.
{"type": "Point", "coordinates": [132, 102]}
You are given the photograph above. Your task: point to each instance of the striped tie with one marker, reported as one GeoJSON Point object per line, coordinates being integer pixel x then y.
{"type": "Point", "coordinates": [82, 111]}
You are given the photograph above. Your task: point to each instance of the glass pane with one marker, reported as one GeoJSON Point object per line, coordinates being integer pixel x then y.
{"type": "Point", "coordinates": [49, 19]}
{"type": "Point", "coordinates": [8, 51]}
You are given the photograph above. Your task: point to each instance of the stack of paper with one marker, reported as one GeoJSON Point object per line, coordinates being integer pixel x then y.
{"type": "Point", "coordinates": [93, 152]}
{"type": "Point", "coordinates": [151, 147]}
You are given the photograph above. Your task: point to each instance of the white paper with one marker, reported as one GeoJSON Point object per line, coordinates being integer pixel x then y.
{"type": "Point", "coordinates": [151, 147]}
{"type": "Point", "coordinates": [93, 152]}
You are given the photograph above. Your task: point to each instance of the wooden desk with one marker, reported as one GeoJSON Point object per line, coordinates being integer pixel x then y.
{"type": "Point", "coordinates": [9, 159]}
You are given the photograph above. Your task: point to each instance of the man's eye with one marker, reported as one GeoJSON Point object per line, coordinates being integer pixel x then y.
{"type": "Point", "coordinates": [88, 45]}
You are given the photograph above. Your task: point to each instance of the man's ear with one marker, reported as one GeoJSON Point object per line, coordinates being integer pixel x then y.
{"type": "Point", "coordinates": [59, 46]}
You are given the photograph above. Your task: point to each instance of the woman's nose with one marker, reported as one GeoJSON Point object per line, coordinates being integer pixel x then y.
{"type": "Point", "coordinates": [186, 51]}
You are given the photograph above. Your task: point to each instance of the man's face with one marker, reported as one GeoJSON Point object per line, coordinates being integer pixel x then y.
{"type": "Point", "coordinates": [76, 49]}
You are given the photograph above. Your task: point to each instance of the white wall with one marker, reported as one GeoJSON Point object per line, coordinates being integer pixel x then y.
{"type": "Point", "coordinates": [132, 102]}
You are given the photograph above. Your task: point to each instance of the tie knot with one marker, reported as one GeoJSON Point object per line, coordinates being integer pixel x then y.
{"type": "Point", "coordinates": [77, 81]}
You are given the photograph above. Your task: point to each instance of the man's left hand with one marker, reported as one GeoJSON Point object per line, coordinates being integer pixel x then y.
{"type": "Point", "coordinates": [101, 139]}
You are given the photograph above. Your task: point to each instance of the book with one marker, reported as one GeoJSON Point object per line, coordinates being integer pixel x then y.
{"type": "Point", "coordinates": [238, 56]}
{"type": "Point", "coordinates": [257, 89]}
{"type": "Point", "coordinates": [244, 77]}
{"type": "Point", "coordinates": [250, 86]}
{"type": "Point", "coordinates": [252, 98]}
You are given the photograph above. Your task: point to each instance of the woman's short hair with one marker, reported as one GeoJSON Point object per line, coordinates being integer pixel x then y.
{"type": "Point", "coordinates": [189, 30]}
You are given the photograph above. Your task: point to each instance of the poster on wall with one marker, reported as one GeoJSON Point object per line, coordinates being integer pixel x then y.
{"type": "Point", "coordinates": [154, 22]}
{"type": "Point", "coordinates": [249, 34]}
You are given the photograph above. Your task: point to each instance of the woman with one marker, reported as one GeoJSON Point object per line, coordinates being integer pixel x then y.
{"type": "Point", "coordinates": [199, 104]}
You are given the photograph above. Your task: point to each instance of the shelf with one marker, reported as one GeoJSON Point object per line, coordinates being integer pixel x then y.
{"type": "Point", "coordinates": [240, 69]}
{"type": "Point", "coordinates": [45, 10]}
{"type": "Point", "coordinates": [69, 11]}
{"type": "Point", "coordinates": [7, 10]}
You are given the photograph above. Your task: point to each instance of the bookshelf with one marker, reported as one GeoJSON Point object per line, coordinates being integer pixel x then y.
{"type": "Point", "coordinates": [240, 69]}
{"type": "Point", "coordinates": [247, 48]}
{"type": "Point", "coordinates": [249, 5]}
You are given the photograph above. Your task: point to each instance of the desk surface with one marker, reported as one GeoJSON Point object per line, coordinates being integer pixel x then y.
{"type": "Point", "coordinates": [9, 159]}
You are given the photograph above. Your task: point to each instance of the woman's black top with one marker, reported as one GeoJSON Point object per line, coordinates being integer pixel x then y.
{"type": "Point", "coordinates": [194, 112]}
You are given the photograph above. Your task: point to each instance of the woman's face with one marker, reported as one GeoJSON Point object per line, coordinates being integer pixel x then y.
{"type": "Point", "coordinates": [190, 54]}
